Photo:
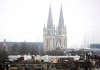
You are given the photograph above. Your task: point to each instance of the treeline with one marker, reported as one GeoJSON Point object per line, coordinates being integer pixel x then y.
{"type": "Point", "coordinates": [57, 51]}
{"type": "Point", "coordinates": [24, 48]}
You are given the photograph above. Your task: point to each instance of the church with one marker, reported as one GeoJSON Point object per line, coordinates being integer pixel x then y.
{"type": "Point", "coordinates": [55, 36]}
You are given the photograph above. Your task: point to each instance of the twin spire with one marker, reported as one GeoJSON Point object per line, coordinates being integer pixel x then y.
{"type": "Point", "coordinates": [61, 19]}
{"type": "Point", "coordinates": [50, 20]}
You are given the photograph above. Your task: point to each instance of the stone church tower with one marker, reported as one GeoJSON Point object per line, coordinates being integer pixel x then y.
{"type": "Point", "coordinates": [54, 37]}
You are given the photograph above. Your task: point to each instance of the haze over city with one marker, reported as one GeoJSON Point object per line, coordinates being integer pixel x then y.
{"type": "Point", "coordinates": [22, 20]}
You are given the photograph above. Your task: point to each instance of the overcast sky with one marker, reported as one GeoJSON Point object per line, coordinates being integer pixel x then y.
{"type": "Point", "coordinates": [22, 20]}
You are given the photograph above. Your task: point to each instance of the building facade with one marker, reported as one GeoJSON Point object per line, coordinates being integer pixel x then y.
{"type": "Point", "coordinates": [54, 37]}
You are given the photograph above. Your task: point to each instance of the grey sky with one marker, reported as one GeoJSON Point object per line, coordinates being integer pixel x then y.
{"type": "Point", "coordinates": [24, 19]}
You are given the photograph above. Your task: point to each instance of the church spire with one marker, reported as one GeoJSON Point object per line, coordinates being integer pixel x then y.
{"type": "Point", "coordinates": [61, 19]}
{"type": "Point", "coordinates": [50, 21]}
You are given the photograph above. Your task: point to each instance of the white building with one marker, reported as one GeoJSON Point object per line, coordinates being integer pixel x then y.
{"type": "Point", "coordinates": [54, 37]}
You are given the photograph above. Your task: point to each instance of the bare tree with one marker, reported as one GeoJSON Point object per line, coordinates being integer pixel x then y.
{"type": "Point", "coordinates": [14, 49]}
{"type": "Point", "coordinates": [3, 56]}
{"type": "Point", "coordinates": [34, 50]}
{"type": "Point", "coordinates": [4, 53]}
{"type": "Point", "coordinates": [56, 51]}
{"type": "Point", "coordinates": [23, 49]}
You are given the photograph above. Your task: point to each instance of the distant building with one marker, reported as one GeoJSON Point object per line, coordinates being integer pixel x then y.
{"type": "Point", "coordinates": [4, 47]}
{"type": "Point", "coordinates": [4, 51]}
{"type": "Point", "coordinates": [95, 46]}
{"type": "Point", "coordinates": [54, 37]}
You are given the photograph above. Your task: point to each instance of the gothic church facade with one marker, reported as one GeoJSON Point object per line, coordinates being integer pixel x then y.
{"type": "Point", "coordinates": [54, 37]}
